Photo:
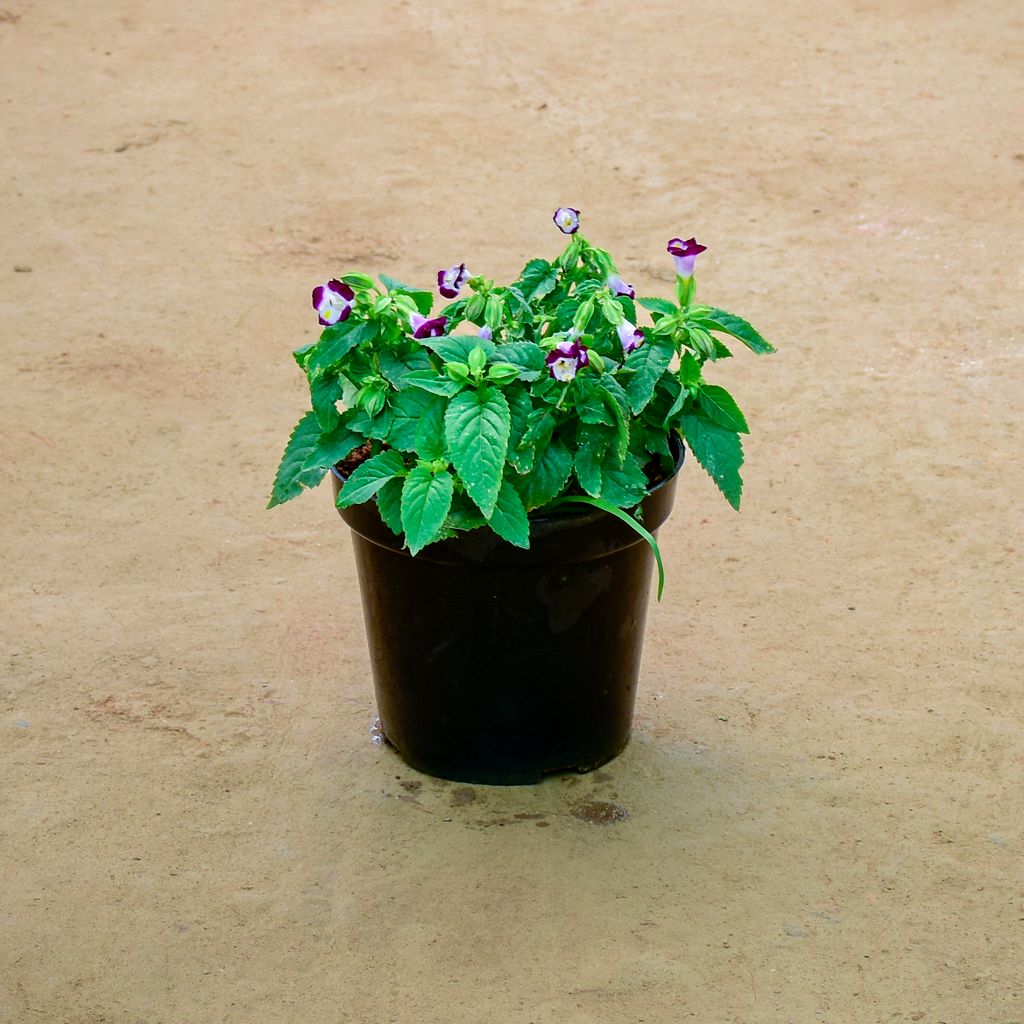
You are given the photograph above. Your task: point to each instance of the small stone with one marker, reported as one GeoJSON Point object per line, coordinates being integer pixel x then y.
{"type": "Point", "coordinates": [22, 268]}
{"type": "Point", "coordinates": [795, 932]}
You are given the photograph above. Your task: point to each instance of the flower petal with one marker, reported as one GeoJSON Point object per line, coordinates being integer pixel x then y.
{"type": "Point", "coordinates": [567, 219]}
{"type": "Point", "coordinates": [619, 287]}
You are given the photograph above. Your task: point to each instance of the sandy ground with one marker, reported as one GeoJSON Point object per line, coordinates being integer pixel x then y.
{"type": "Point", "coordinates": [825, 786]}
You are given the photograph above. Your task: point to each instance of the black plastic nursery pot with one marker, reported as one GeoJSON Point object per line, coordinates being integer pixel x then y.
{"type": "Point", "coordinates": [496, 665]}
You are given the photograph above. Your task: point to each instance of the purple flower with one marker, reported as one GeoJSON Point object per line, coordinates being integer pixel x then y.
{"type": "Point", "coordinates": [567, 219]}
{"type": "Point", "coordinates": [631, 337]}
{"type": "Point", "coordinates": [427, 328]}
{"type": "Point", "coordinates": [486, 333]}
{"type": "Point", "coordinates": [566, 358]}
{"type": "Point", "coordinates": [333, 302]}
{"type": "Point", "coordinates": [619, 287]}
{"type": "Point", "coordinates": [451, 280]}
{"type": "Point", "coordinates": [685, 254]}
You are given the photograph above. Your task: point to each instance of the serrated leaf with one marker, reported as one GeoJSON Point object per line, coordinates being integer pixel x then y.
{"type": "Point", "coordinates": [389, 504]}
{"type": "Point", "coordinates": [369, 477]}
{"type": "Point", "coordinates": [593, 443]}
{"type": "Point", "coordinates": [625, 487]}
{"type": "Point", "coordinates": [659, 306]}
{"type": "Point", "coordinates": [548, 477]}
{"type": "Point", "coordinates": [292, 477]}
{"type": "Point", "coordinates": [477, 426]}
{"type": "Point", "coordinates": [648, 362]}
{"type": "Point", "coordinates": [324, 392]}
{"type": "Point", "coordinates": [524, 354]}
{"type": "Point", "coordinates": [519, 407]}
{"type": "Point", "coordinates": [615, 391]}
{"type": "Point", "coordinates": [299, 354]}
{"type": "Point", "coordinates": [335, 343]}
{"type": "Point", "coordinates": [719, 451]}
{"type": "Point", "coordinates": [540, 425]}
{"type": "Point", "coordinates": [423, 299]}
{"type": "Point", "coordinates": [689, 369]}
{"type": "Point", "coordinates": [395, 367]}
{"type": "Point", "coordinates": [432, 381]}
{"type": "Point", "coordinates": [331, 447]}
{"type": "Point", "coordinates": [628, 307]}
{"type": "Point", "coordinates": [592, 403]}
{"type": "Point", "coordinates": [430, 442]}
{"type": "Point", "coordinates": [537, 280]}
{"type": "Point", "coordinates": [426, 498]}
{"type": "Point", "coordinates": [712, 319]}
{"type": "Point", "coordinates": [508, 520]}
{"type": "Point", "coordinates": [456, 348]}
{"type": "Point", "coordinates": [719, 406]}
{"type": "Point", "coordinates": [376, 427]}
{"type": "Point", "coordinates": [408, 408]}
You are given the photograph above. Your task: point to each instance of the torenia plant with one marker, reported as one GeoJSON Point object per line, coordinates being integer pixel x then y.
{"type": "Point", "coordinates": [513, 398]}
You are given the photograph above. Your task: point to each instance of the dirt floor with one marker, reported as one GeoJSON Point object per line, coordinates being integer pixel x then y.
{"type": "Point", "coordinates": [824, 791]}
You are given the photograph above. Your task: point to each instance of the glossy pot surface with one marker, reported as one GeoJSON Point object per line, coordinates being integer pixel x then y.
{"type": "Point", "coordinates": [496, 665]}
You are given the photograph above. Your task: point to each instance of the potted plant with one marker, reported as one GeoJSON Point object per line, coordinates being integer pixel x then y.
{"type": "Point", "coordinates": [504, 465]}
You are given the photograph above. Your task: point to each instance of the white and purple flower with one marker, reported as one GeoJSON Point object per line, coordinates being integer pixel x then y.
{"type": "Point", "coordinates": [333, 302]}
{"type": "Point", "coordinates": [451, 280]}
{"type": "Point", "coordinates": [566, 358]}
{"type": "Point", "coordinates": [619, 287]}
{"type": "Point", "coordinates": [567, 219]}
{"type": "Point", "coordinates": [631, 337]}
{"type": "Point", "coordinates": [427, 327]}
{"type": "Point", "coordinates": [685, 254]}
{"type": "Point", "coordinates": [486, 333]}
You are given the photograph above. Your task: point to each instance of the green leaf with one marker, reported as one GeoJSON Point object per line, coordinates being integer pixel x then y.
{"type": "Point", "coordinates": [368, 478]}
{"type": "Point", "coordinates": [331, 447]}
{"type": "Point", "coordinates": [712, 319]}
{"type": "Point", "coordinates": [429, 442]}
{"type": "Point", "coordinates": [718, 405]}
{"type": "Point", "coordinates": [477, 427]}
{"type": "Point", "coordinates": [395, 367]}
{"type": "Point", "coordinates": [335, 343]}
{"type": "Point", "coordinates": [423, 299]}
{"type": "Point", "coordinates": [615, 392]}
{"type": "Point", "coordinates": [389, 504]}
{"type": "Point", "coordinates": [719, 451]}
{"type": "Point", "coordinates": [408, 408]}
{"type": "Point", "coordinates": [432, 381]}
{"type": "Point", "coordinates": [371, 426]}
{"type": "Point", "coordinates": [457, 348]}
{"type": "Point", "coordinates": [547, 478]}
{"type": "Point", "coordinates": [689, 369]}
{"type": "Point", "coordinates": [628, 307]}
{"type": "Point", "coordinates": [524, 354]}
{"type": "Point", "coordinates": [324, 392]}
{"type": "Point", "coordinates": [625, 487]}
{"type": "Point", "coordinates": [538, 279]}
{"type": "Point", "coordinates": [426, 498]}
{"type": "Point", "coordinates": [592, 402]}
{"type": "Point", "coordinates": [632, 524]}
{"type": "Point", "coordinates": [299, 354]}
{"type": "Point", "coordinates": [540, 425]}
{"type": "Point", "coordinates": [292, 476]}
{"type": "Point", "coordinates": [520, 407]}
{"type": "Point", "coordinates": [649, 361]}
{"type": "Point", "coordinates": [593, 443]}
{"type": "Point", "coordinates": [659, 306]}
{"type": "Point", "coordinates": [618, 404]}
{"type": "Point", "coordinates": [508, 520]}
